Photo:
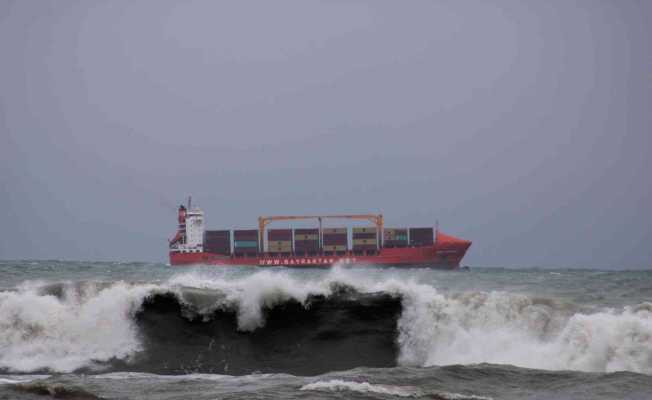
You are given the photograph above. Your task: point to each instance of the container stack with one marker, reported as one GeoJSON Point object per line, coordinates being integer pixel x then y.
{"type": "Point", "coordinates": [306, 241]}
{"type": "Point", "coordinates": [395, 237]}
{"type": "Point", "coordinates": [217, 242]}
{"type": "Point", "coordinates": [365, 239]}
{"type": "Point", "coordinates": [279, 241]}
{"type": "Point", "coordinates": [245, 242]}
{"type": "Point", "coordinates": [421, 237]}
{"type": "Point", "coordinates": [335, 239]}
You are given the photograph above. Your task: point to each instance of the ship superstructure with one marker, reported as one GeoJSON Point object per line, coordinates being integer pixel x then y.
{"type": "Point", "coordinates": [190, 233]}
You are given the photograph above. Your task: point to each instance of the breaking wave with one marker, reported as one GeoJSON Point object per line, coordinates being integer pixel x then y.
{"type": "Point", "coordinates": [270, 321]}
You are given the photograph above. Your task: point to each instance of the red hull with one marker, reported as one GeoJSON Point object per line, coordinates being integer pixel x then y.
{"type": "Point", "coordinates": [446, 253]}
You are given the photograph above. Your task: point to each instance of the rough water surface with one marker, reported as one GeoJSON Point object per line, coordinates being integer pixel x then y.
{"type": "Point", "coordinates": [86, 330]}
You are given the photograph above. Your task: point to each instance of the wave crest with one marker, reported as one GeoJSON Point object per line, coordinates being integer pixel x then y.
{"type": "Point", "coordinates": [64, 333]}
{"type": "Point", "coordinates": [503, 328]}
{"type": "Point", "coordinates": [64, 327]}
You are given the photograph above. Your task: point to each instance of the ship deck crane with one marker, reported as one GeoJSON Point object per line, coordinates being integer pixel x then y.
{"type": "Point", "coordinates": [376, 219]}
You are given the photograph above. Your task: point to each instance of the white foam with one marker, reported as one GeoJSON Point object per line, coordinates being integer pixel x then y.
{"type": "Point", "coordinates": [251, 294]}
{"type": "Point", "coordinates": [504, 328]}
{"type": "Point", "coordinates": [459, 396]}
{"type": "Point", "coordinates": [338, 385]}
{"type": "Point", "coordinates": [191, 377]}
{"type": "Point", "coordinates": [96, 323]}
{"type": "Point", "coordinates": [64, 334]}
{"type": "Point", "coordinates": [474, 327]}
{"type": "Point", "coordinates": [361, 387]}
{"type": "Point", "coordinates": [13, 379]}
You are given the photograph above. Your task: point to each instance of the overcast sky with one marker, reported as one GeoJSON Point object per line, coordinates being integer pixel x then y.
{"type": "Point", "coordinates": [524, 126]}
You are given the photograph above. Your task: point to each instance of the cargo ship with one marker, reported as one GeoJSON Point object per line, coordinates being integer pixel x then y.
{"type": "Point", "coordinates": [313, 247]}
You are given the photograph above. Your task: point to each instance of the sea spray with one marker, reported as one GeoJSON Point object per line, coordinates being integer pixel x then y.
{"type": "Point", "coordinates": [86, 325]}
{"type": "Point", "coordinates": [44, 331]}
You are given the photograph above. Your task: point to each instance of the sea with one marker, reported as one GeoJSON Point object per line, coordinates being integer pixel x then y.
{"type": "Point", "coordinates": [118, 330]}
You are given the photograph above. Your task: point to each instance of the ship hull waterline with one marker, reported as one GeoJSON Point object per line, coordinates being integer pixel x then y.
{"type": "Point", "coordinates": [433, 256]}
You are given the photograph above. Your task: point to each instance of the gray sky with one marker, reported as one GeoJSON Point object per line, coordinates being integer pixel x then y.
{"type": "Point", "coordinates": [524, 126]}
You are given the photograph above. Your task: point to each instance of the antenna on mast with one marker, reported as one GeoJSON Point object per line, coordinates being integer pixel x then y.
{"type": "Point", "coordinates": [189, 202]}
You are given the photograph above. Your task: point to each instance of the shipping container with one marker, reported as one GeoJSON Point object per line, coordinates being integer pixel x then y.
{"type": "Point", "coordinates": [335, 248]}
{"type": "Point", "coordinates": [245, 241]}
{"type": "Point", "coordinates": [395, 237]}
{"type": "Point", "coordinates": [222, 246]}
{"type": "Point", "coordinates": [336, 243]}
{"type": "Point", "coordinates": [364, 236]}
{"type": "Point", "coordinates": [217, 240]}
{"type": "Point", "coordinates": [399, 234]}
{"type": "Point", "coordinates": [307, 242]}
{"type": "Point", "coordinates": [304, 231]}
{"type": "Point", "coordinates": [214, 242]}
{"type": "Point", "coordinates": [246, 234]}
{"type": "Point", "coordinates": [358, 246]}
{"type": "Point", "coordinates": [326, 231]}
{"type": "Point", "coordinates": [217, 234]}
{"type": "Point", "coordinates": [421, 232]}
{"type": "Point", "coordinates": [245, 244]}
{"type": "Point", "coordinates": [364, 230]}
{"type": "Point", "coordinates": [339, 234]}
{"type": "Point", "coordinates": [364, 242]}
{"type": "Point", "coordinates": [217, 245]}
{"type": "Point", "coordinates": [364, 247]}
{"type": "Point", "coordinates": [279, 250]}
{"type": "Point", "coordinates": [299, 237]}
{"type": "Point", "coordinates": [280, 243]}
{"type": "Point", "coordinates": [279, 234]}
{"type": "Point", "coordinates": [314, 242]}
{"type": "Point", "coordinates": [335, 239]}
{"type": "Point", "coordinates": [364, 239]}
{"type": "Point", "coordinates": [421, 236]}
{"type": "Point", "coordinates": [303, 248]}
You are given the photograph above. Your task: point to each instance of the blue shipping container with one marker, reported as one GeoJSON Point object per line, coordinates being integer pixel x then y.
{"type": "Point", "coordinates": [246, 244]}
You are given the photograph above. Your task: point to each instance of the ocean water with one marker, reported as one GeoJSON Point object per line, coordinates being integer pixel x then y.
{"type": "Point", "coordinates": [87, 330]}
